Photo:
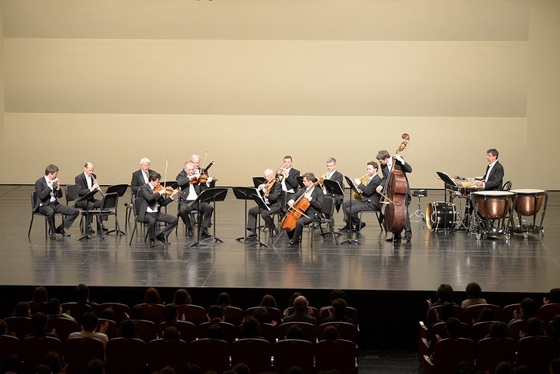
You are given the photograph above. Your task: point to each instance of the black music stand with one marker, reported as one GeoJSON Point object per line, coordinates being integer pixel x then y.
{"type": "Point", "coordinates": [262, 206]}
{"type": "Point", "coordinates": [448, 181]}
{"type": "Point", "coordinates": [120, 189]}
{"type": "Point", "coordinates": [352, 189]}
{"type": "Point", "coordinates": [334, 188]}
{"type": "Point", "coordinates": [300, 182]}
{"type": "Point", "coordinates": [244, 193]}
{"type": "Point", "coordinates": [211, 194]}
{"type": "Point", "coordinates": [257, 181]}
{"type": "Point", "coordinates": [86, 197]}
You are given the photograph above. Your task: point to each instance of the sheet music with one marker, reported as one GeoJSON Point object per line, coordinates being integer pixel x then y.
{"type": "Point", "coordinates": [262, 198]}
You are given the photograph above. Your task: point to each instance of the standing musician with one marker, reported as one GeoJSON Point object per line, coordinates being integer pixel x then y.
{"type": "Point", "coordinates": [140, 177]}
{"type": "Point", "coordinates": [272, 193]}
{"type": "Point", "coordinates": [288, 177]}
{"type": "Point", "coordinates": [334, 175]}
{"type": "Point", "coordinates": [370, 198]}
{"type": "Point", "coordinates": [494, 175]}
{"type": "Point", "coordinates": [312, 213]}
{"type": "Point", "coordinates": [153, 196]}
{"type": "Point", "coordinates": [187, 180]}
{"type": "Point", "coordinates": [87, 182]}
{"type": "Point", "coordinates": [48, 191]}
{"type": "Point", "coordinates": [398, 163]}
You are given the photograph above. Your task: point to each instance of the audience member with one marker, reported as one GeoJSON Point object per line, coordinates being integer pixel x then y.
{"type": "Point", "coordinates": [82, 294]}
{"type": "Point", "coordinates": [497, 330]}
{"type": "Point", "coordinates": [40, 295]}
{"type": "Point", "coordinates": [250, 328]}
{"type": "Point", "coordinates": [182, 297]}
{"type": "Point", "coordinates": [534, 328]}
{"type": "Point", "coordinates": [553, 296]}
{"type": "Point", "coordinates": [127, 329]}
{"type": "Point", "coordinates": [504, 367]}
{"type": "Point", "coordinates": [334, 294]}
{"type": "Point", "coordinates": [96, 366]}
{"type": "Point", "coordinates": [224, 299]}
{"type": "Point", "coordinates": [21, 310]}
{"type": "Point", "coordinates": [39, 326]}
{"type": "Point", "coordinates": [527, 309]}
{"type": "Point", "coordinates": [215, 331]}
{"type": "Point", "coordinates": [330, 333]}
{"type": "Point", "coordinates": [89, 325]}
{"type": "Point", "coordinates": [137, 312]}
{"type": "Point", "coordinates": [300, 312]}
{"type": "Point", "coordinates": [54, 362]}
{"type": "Point", "coordinates": [294, 332]}
{"type": "Point", "coordinates": [339, 308]}
{"type": "Point", "coordinates": [241, 368]}
{"type": "Point", "coordinates": [171, 333]}
{"type": "Point", "coordinates": [291, 303]}
{"type": "Point", "coordinates": [269, 301]}
{"type": "Point", "coordinates": [473, 295]}
{"type": "Point", "coordinates": [215, 314]}
{"type": "Point", "coordinates": [444, 293]}
{"type": "Point", "coordinates": [54, 310]}
{"type": "Point", "coordinates": [151, 296]}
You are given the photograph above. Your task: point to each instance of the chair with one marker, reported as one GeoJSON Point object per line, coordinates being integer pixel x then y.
{"type": "Point", "coordinates": [193, 313]}
{"type": "Point", "coordinates": [268, 331]}
{"type": "Point", "coordinates": [125, 355]}
{"type": "Point", "coordinates": [338, 354]}
{"type": "Point", "coordinates": [112, 330]}
{"type": "Point", "coordinates": [293, 352]}
{"type": "Point", "coordinates": [63, 327]}
{"type": "Point", "coordinates": [163, 352]}
{"type": "Point", "coordinates": [35, 213]}
{"type": "Point", "coordinates": [346, 330]}
{"type": "Point", "coordinates": [230, 332]}
{"type": "Point", "coordinates": [21, 326]}
{"type": "Point", "coordinates": [37, 306]}
{"type": "Point", "coordinates": [548, 311]}
{"type": "Point", "coordinates": [256, 353]}
{"type": "Point", "coordinates": [418, 212]}
{"type": "Point", "coordinates": [480, 329]}
{"type": "Point", "coordinates": [536, 352]}
{"type": "Point", "coordinates": [121, 310]}
{"type": "Point", "coordinates": [136, 207]}
{"type": "Point", "coordinates": [233, 315]}
{"type": "Point", "coordinates": [432, 316]}
{"type": "Point", "coordinates": [36, 348]}
{"type": "Point", "coordinates": [274, 314]}
{"type": "Point", "coordinates": [491, 351]}
{"type": "Point", "coordinates": [328, 311]}
{"type": "Point", "coordinates": [506, 186]}
{"type": "Point", "coordinates": [473, 311]}
{"type": "Point", "coordinates": [78, 352]}
{"type": "Point", "coordinates": [145, 330]}
{"type": "Point", "coordinates": [309, 330]}
{"type": "Point", "coordinates": [153, 312]}
{"type": "Point", "coordinates": [448, 353]}
{"type": "Point", "coordinates": [377, 215]}
{"type": "Point", "coordinates": [327, 213]}
{"type": "Point", "coordinates": [517, 326]}
{"type": "Point", "coordinates": [507, 311]}
{"type": "Point", "coordinates": [109, 205]}
{"type": "Point", "coordinates": [209, 354]}
{"type": "Point", "coordinates": [71, 193]}
{"type": "Point", "coordinates": [9, 345]}
{"type": "Point", "coordinates": [186, 329]}
{"type": "Point", "coordinates": [120, 189]}
{"type": "Point", "coordinates": [76, 310]}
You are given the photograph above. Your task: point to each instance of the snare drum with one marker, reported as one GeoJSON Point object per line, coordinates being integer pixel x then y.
{"type": "Point", "coordinates": [493, 204]}
{"type": "Point", "coordinates": [440, 215]}
{"type": "Point", "coordinates": [528, 201]}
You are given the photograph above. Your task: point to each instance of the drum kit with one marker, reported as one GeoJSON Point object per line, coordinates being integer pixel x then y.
{"type": "Point", "coordinates": [495, 214]}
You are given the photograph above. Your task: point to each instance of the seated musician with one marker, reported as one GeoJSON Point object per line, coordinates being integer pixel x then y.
{"type": "Point", "coordinates": [189, 183]}
{"type": "Point", "coordinates": [334, 175]}
{"type": "Point", "coordinates": [140, 176]}
{"type": "Point", "coordinates": [87, 182]}
{"type": "Point", "coordinates": [150, 204]}
{"type": "Point", "coordinates": [494, 175]}
{"type": "Point", "coordinates": [369, 198]}
{"type": "Point", "coordinates": [315, 197]}
{"type": "Point", "coordinates": [271, 190]}
{"type": "Point", "coordinates": [288, 176]}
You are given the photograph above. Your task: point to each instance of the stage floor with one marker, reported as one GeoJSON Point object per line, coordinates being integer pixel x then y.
{"type": "Point", "coordinates": [517, 265]}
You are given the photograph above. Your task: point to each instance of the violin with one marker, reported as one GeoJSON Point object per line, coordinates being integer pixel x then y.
{"type": "Point", "coordinates": [269, 186]}
{"type": "Point", "coordinates": [168, 190]}
{"type": "Point", "coordinates": [203, 177]}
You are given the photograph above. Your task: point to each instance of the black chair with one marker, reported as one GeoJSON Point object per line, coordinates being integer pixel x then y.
{"type": "Point", "coordinates": [78, 352]}
{"type": "Point", "coordinates": [34, 213]}
{"type": "Point", "coordinates": [506, 186]}
{"type": "Point", "coordinates": [125, 356]}
{"type": "Point", "coordinates": [136, 206]}
{"type": "Point", "coordinates": [163, 352]}
{"type": "Point", "coordinates": [377, 215]}
{"type": "Point", "coordinates": [327, 213]}
{"type": "Point", "coordinates": [36, 348]}
{"type": "Point", "coordinates": [71, 194]}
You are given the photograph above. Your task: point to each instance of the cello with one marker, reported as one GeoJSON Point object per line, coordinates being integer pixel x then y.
{"type": "Point", "coordinates": [396, 210]}
{"type": "Point", "coordinates": [297, 210]}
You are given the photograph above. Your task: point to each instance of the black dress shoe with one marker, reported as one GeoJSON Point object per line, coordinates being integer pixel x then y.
{"type": "Point", "coordinates": [273, 232]}
{"type": "Point", "coordinates": [189, 233]}
{"type": "Point", "coordinates": [162, 238]}
{"type": "Point", "coordinates": [152, 243]}
{"type": "Point", "coordinates": [344, 229]}
{"type": "Point", "coordinates": [206, 234]}
{"type": "Point", "coordinates": [360, 226]}
{"type": "Point", "coordinates": [61, 231]}
{"type": "Point", "coordinates": [395, 239]}
{"type": "Point", "coordinates": [293, 243]}
{"type": "Point", "coordinates": [52, 236]}
{"type": "Point", "coordinates": [90, 230]}
{"type": "Point", "coordinates": [102, 228]}
{"type": "Point", "coordinates": [251, 234]}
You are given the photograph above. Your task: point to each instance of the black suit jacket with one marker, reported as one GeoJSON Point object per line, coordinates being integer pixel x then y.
{"type": "Point", "coordinates": [337, 177]}
{"type": "Point", "coordinates": [184, 182]}
{"type": "Point", "coordinates": [138, 180]}
{"type": "Point", "coordinates": [291, 180]}
{"type": "Point", "coordinates": [316, 203]}
{"type": "Point", "coordinates": [369, 193]}
{"type": "Point", "coordinates": [150, 198]}
{"type": "Point", "coordinates": [275, 194]}
{"type": "Point", "coordinates": [44, 193]}
{"type": "Point", "coordinates": [496, 177]}
{"type": "Point", "coordinates": [81, 182]}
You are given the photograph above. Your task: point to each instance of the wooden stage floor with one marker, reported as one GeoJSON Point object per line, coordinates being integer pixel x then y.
{"type": "Point", "coordinates": [516, 265]}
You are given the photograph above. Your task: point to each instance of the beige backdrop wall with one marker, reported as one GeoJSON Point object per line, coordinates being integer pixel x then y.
{"type": "Point", "coordinates": [251, 81]}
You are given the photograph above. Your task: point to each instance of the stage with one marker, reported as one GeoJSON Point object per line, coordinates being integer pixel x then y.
{"type": "Point", "coordinates": [372, 273]}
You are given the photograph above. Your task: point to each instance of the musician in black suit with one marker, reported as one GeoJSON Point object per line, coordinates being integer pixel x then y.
{"type": "Point", "coordinates": [288, 177]}
{"type": "Point", "coordinates": [389, 163]}
{"type": "Point", "coordinates": [48, 192]}
{"type": "Point", "coordinates": [313, 213]}
{"type": "Point", "coordinates": [87, 182]}
{"type": "Point", "coordinates": [494, 176]}
{"type": "Point", "coordinates": [140, 177]}
{"type": "Point", "coordinates": [188, 181]}
{"type": "Point", "coordinates": [149, 210]}
{"type": "Point", "coordinates": [271, 191]}
{"type": "Point", "coordinates": [334, 175]}
{"type": "Point", "coordinates": [369, 198]}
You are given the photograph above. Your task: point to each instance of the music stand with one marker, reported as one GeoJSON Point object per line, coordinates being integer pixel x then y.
{"type": "Point", "coordinates": [86, 197]}
{"type": "Point", "coordinates": [447, 181]}
{"type": "Point", "coordinates": [244, 193]}
{"type": "Point", "coordinates": [257, 198]}
{"type": "Point", "coordinates": [120, 189]}
{"type": "Point", "coordinates": [300, 182]}
{"type": "Point", "coordinates": [352, 189]}
{"type": "Point", "coordinates": [211, 194]}
{"type": "Point", "coordinates": [334, 188]}
{"type": "Point", "coordinates": [257, 181]}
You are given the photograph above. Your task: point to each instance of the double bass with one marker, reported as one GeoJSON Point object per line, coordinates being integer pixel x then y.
{"type": "Point", "coordinates": [395, 211]}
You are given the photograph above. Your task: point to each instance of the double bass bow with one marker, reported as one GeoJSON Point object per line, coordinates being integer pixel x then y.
{"type": "Point", "coordinates": [395, 211]}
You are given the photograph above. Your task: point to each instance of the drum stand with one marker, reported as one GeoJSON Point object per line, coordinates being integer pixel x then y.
{"type": "Point", "coordinates": [418, 212]}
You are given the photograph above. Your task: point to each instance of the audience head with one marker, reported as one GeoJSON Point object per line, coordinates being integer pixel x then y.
{"type": "Point", "coordinates": [39, 323]}
{"type": "Point", "coordinates": [268, 300]}
{"type": "Point", "coordinates": [137, 312]}
{"type": "Point", "coordinates": [300, 304]}
{"type": "Point", "coordinates": [251, 328]}
{"type": "Point", "coordinates": [167, 370]}
{"type": "Point", "coordinates": [127, 329]}
{"type": "Point", "coordinates": [534, 327]}
{"type": "Point", "coordinates": [182, 297]}
{"type": "Point", "coordinates": [53, 306]}
{"type": "Point", "coordinates": [194, 369]}
{"type": "Point", "coordinates": [261, 315]}
{"type": "Point", "coordinates": [446, 311]}
{"type": "Point", "coordinates": [445, 292]}
{"type": "Point", "coordinates": [89, 321]}
{"type": "Point", "coordinates": [224, 299]}
{"type": "Point", "coordinates": [294, 332]}
{"type": "Point", "coordinates": [504, 367]}
{"type": "Point", "coordinates": [498, 330]}
{"type": "Point", "coordinates": [22, 310]}
{"type": "Point", "coordinates": [40, 295]}
{"type": "Point", "coordinates": [215, 314]}
{"type": "Point", "coordinates": [151, 296]}
{"type": "Point", "coordinates": [170, 312]}
{"type": "Point", "coordinates": [109, 313]}
{"type": "Point", "coordinates": [339, 307]}
{"type": "Point", "coordinates": [554, 295]}
{"type": "Point", "coordinates": [486, 314]}
{"type": "Point", "coordinates": [54, 362]}
{"type": "Point", "coordinates": [81, 292]}
{"type": "Point", "coordinates": [528, 308]}
{"type": "Point", "coordinates": [171, 333]}
{"type": "Point", "coordinates": [215, 331]}
{"type": "Point", "coordinates": [293, 298]}
{"type": "Point", "coordinates": [453, 325]}
{"type": "Point", "coordinates": [330, 333]}
{"type": "Point", "coordinates": [473, 290]}
{"type": "Point", "coordinates": [96, 366]}
{"type": "Point", "coordinates": [241, 368]}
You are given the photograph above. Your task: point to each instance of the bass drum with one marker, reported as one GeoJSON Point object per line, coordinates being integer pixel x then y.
{"type": "Point", "coordinates": [440, 215]}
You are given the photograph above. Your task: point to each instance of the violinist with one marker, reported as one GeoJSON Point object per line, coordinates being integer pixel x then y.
{"type": "Point", "coordinates": [189, 183]}
{"type": "Point", "coordinates": [315, 195]}
{"type": "Point", "coordinates": [398, 163]}
{"type": "Point", "coordinates": [370, 198]}
{"type": "Point", "coordinates": [271, 190]}
{"type": "Point", "coordinates": [334, 175]}
{"type": "Point", "coordinates": [150, 204]}
{"type": "Point", "coordinates": [288, 177]}
{"type": "Point", "coordinates": [87, 182]}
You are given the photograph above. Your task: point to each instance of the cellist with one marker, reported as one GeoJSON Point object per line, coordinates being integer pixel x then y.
{"type": "Point", "coordinates": [314, 194]}
{"type": "Point", "coordinates": [398, 163]}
